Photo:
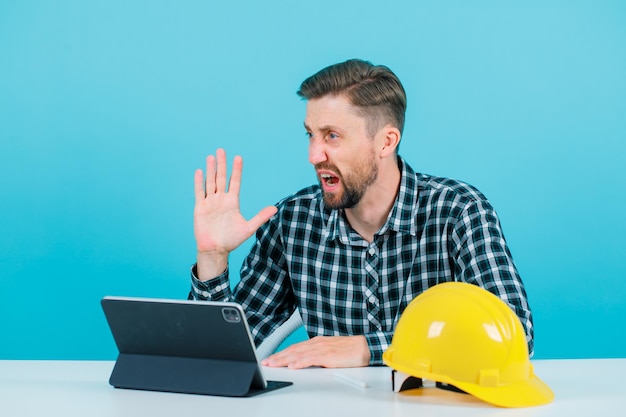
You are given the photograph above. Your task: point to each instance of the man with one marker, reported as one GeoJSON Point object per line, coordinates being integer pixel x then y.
{"type": "Point", "coordinates": [351, 252]}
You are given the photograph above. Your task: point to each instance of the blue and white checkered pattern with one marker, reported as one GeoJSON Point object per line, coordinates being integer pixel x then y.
{"type": "Point", "coordinates": [308, 257]}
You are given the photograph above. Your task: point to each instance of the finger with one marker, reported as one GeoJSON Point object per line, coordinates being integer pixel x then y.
{"type": "Point", "coordinates": [305, 361]}
{"type": "Point", "coordinates": [198, 186]}
{"type": "Point", "coordinates": [235, 176]}
{"type": "Point", "coordinates": [210, 175]}
{"type": "Point", "coordinates": [298, 355]}
{"type": "Point", "coordinates": [281, 359]}
{"type": "Point", "coordinates": [220, 177]}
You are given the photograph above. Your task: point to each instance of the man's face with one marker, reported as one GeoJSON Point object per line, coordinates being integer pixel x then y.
{"type": "Point", "coordinates": [341, 150]}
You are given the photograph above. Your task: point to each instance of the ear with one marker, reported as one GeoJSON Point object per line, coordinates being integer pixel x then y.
{"type": "Point", "coordinates": [390, 140]}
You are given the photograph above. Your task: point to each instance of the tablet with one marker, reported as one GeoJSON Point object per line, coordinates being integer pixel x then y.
{"type": "Point", "coordinates": [186, 346]}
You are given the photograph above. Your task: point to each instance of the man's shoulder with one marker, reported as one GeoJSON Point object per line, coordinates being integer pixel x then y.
{"type": "Point", "coordinates": [447, 188]}
{"type": "Point", "coordinates": [303, 208]}
{"type": "Point", "coordinates": [432, 186]}
{"type": "Point", "coordinates": [310, 196]}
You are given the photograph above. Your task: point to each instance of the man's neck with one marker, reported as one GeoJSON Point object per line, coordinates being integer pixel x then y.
{"type": "Point", "coordinates": [370, 214]}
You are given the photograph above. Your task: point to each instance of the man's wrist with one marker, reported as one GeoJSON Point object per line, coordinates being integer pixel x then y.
{"type": "Point", "coordinates": [210, 265]}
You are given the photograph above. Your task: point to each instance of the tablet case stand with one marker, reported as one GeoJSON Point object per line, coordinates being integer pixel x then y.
{"type": "Point", "coordinates": [188, 375]}
{"type": "Point", "coordinates": [184, 346]}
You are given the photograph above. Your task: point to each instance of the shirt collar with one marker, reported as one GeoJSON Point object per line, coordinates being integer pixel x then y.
{"type": "Point", "coordinates": [400, 219]}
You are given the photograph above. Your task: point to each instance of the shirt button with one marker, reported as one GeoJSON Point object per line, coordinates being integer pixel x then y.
{"type": "Point", "coordinates": [372, 251]}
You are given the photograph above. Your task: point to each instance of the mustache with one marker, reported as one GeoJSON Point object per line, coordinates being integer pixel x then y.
{"type": "Point", "coordinates": [326, 166]}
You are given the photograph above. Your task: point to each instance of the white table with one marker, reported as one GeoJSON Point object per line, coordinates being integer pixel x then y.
{"type": "Point", "coordinates": [590, 387]}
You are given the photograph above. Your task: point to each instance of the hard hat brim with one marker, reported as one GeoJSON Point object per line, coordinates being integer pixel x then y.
{"type": "Point", "coordinates": [529, 393]}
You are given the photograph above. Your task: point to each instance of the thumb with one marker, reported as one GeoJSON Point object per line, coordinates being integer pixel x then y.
{"type": "Point", "coordinates": [261, 217]}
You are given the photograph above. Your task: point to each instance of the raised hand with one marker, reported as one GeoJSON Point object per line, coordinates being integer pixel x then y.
{"type": "Point", "coordinates": [219, 227]}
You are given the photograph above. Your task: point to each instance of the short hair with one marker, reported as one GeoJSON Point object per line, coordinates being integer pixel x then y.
{"type": "Point", "coordinates": [374, 89]}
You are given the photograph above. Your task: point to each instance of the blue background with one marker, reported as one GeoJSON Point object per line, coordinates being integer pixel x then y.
{"type": "Point", "coordinates": [107, 108]}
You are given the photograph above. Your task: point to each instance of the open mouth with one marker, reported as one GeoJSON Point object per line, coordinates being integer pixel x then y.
{"type": "Point", "coordinates": [329, 180]}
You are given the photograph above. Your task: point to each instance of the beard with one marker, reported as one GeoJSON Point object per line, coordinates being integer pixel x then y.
{"type": "Point", "coordinates": [355, 184]}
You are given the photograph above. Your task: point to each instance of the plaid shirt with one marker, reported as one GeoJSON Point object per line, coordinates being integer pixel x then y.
{"type": "Point", "coordinates": [308, 257]}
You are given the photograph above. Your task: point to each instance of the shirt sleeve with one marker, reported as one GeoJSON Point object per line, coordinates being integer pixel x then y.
{"type": "Point", "coordinates": [264, 289]}
{"type": "Point", "coordinates": [483, 258]}
{"type": "Point", "coordinates": [216, 289]}
{"type": "Point", "coordinates": [378, 342]}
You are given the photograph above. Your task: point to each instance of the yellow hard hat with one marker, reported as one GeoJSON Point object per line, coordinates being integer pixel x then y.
{"type": "Point", "coordinates": [461, 334]}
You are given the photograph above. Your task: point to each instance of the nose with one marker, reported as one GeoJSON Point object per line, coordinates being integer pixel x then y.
{"type": "Point", "coordinates": [317, 153]}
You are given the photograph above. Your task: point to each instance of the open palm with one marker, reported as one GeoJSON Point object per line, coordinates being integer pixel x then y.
{"type": "Point", "coordinates": [219, 226]}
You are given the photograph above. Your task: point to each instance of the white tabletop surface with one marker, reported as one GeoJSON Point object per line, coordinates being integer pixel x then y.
{"type": "Point", "coordinates": [589, 387]}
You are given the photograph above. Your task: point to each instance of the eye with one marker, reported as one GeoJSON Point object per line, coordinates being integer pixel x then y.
{"type": "Point", "coordinates": [309, 135]}
{"type": "Point", "coordinates": [333, 135]}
